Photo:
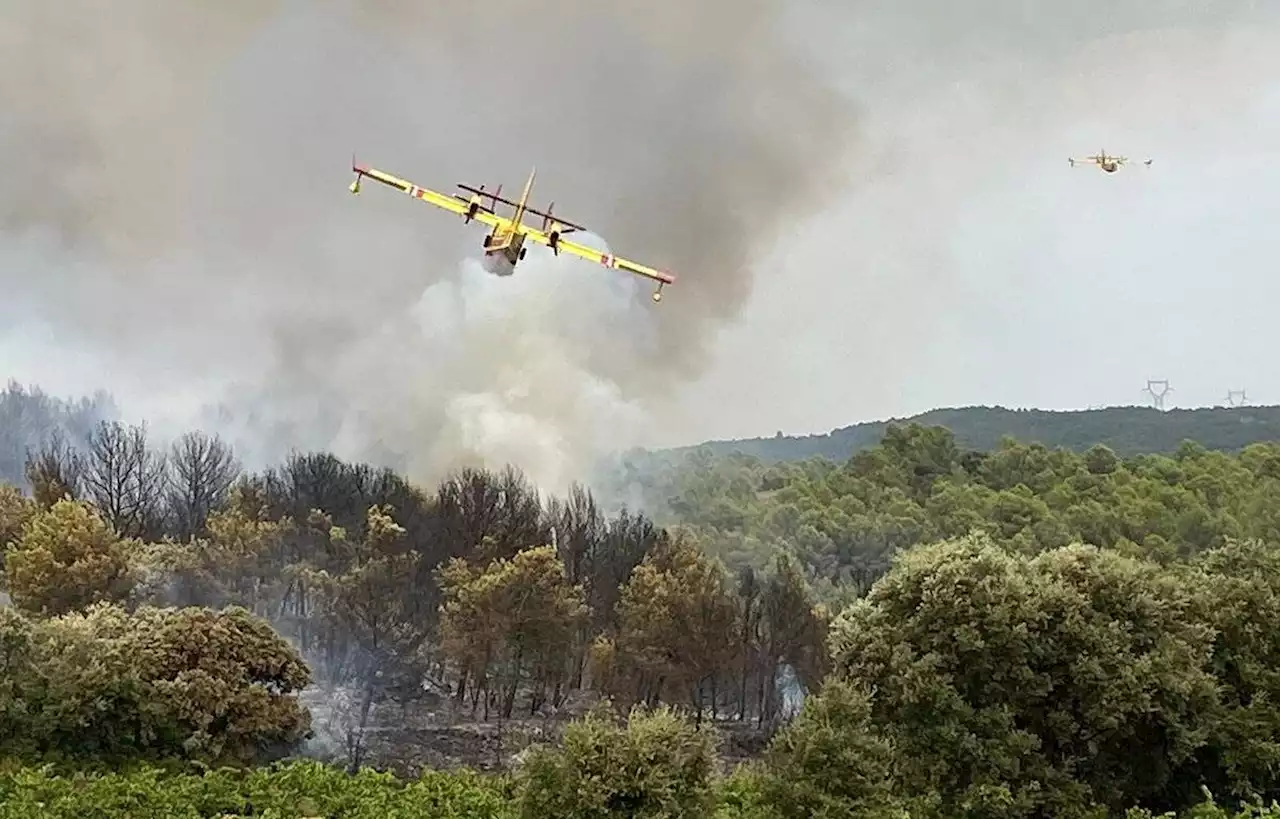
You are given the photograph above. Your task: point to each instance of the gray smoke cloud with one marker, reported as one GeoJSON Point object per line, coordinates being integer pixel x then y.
{"type": "Point", "coordinates": [867, 203]}
{"type": "Point", "coordinates": [174, 222]}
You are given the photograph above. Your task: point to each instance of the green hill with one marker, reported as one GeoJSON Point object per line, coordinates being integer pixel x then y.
{"type": "Point", "coordinates": [1127, 430]}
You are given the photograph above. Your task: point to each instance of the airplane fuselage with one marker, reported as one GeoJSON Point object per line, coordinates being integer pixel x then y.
{"type": "Point", "coordinates": [503, 251]}
{"type": "Point", "coordinates": [1108, 164]}
{"type": "Point", "coordinates": [504, 246]}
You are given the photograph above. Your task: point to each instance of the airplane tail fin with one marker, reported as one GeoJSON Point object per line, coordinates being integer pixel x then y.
{"type": "Point", "coordinates": [524, 198]}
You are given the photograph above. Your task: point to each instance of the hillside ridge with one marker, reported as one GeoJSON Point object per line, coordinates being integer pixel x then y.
{"type": "Point", "coordinates": [1127, 430]}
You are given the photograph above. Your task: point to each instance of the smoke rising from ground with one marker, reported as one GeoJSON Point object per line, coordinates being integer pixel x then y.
{"type": "Point", "coordinates": [951, 257]}
{"type": "Point", "coordinates": [174, 209]}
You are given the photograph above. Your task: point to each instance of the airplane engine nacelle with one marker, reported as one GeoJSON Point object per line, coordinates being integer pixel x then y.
{"type": "Point", "coordinates": [553, 236]}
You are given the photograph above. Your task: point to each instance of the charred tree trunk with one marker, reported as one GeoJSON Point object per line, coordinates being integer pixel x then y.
{"type": "Point", "coordinates": [460, 696]}
{"type": "Point", "coordinates": [477, 691]}
{"type": "Point", "coordinates": [509, 695]}
{"type": "Point", "coordinates": [760, 696]}
{"type": "Point", "coordinates": [355, 737]}
{"type": "Point", "coordinates": [558, 695]}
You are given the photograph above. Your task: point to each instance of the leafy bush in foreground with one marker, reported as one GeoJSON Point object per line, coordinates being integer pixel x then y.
{"type": "Point", "coordinates": [110, 684]}
{"type": "Point", "coordinates": [301, 790]}
{"type": "Point", "coordinates": [293, 791]}
{"type": "Point", "coordinates": [657, 766]}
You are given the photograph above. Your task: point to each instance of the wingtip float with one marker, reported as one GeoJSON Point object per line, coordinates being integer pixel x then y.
{"type": "Point", "coordinates": [504, 244]}
{"type": "Point", "coordinates": [1109, 164]}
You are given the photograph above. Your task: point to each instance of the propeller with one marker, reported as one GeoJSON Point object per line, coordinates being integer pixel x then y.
{"type": "Point", "coordinates": [552, 229]}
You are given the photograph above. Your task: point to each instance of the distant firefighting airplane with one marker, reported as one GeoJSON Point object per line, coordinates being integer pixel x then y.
{"type": "Point", "coordinates": [504, 245]}
{"type": "Point", "coordinates": [1110, 164]}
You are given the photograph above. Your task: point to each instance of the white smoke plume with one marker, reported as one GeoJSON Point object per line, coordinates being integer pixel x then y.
{"type": "Point", "coordinates": [174, 220]}
{"type": "Point", "coordinates": [174, 225]}
{"type": "Point", "coordinates": [484, 370]}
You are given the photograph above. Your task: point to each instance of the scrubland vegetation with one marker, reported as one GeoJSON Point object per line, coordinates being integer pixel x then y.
{"type": "Point", "coordinates": [1022, 631]}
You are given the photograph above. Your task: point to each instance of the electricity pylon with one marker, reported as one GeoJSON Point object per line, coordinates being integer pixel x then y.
{"type": "Point", "coordinates": [1158, 390]}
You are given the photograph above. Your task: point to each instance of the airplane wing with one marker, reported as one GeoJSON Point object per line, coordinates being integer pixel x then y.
{"type": "Point", "coordinates": [593, 255]}
{"type": "Point", "coordinates": [462, 207]}
{"type": "Point", "coordinates": [453, 204]}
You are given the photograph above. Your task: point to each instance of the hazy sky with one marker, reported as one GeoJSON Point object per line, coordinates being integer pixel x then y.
{"type": "Point", "coordinates": [972, 265]}
{"type": "Point", "coordinates": [868, 205]}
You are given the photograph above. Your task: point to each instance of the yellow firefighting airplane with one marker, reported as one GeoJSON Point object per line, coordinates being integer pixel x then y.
{"type": "Point", "coordinates": [1110, 164]}
{"type": "Point", "coordinates": [504, 245]}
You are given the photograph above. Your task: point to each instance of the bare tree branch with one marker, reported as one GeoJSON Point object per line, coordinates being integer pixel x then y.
{"type": "Point", "coordinates": [125, 479]}
{"type": "Point", "coordinates": [55, 471]}
{"type": "Point", "coordinates": [202, 470]}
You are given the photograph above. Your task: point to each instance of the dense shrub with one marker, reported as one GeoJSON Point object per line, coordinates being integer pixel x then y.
{"type": "Point", "coordinates": [657, 766]}
{"type": "Point", "coordinates": [830, 763]}
{"type": "Point", "coordinates": [301, 790]}
{"type": "Point", "coordinates": [293, 791]}
{"type": "Point", "coordinates": [107, 684]}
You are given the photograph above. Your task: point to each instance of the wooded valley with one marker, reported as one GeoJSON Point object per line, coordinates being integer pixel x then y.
{"type": "Point", "coordinates": [920, 628]}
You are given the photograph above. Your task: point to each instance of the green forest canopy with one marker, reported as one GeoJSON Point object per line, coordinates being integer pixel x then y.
{"type": "Point", "coordinates": [843, 521]}
{"type": "Point", "coordinates": [1016, 631]}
